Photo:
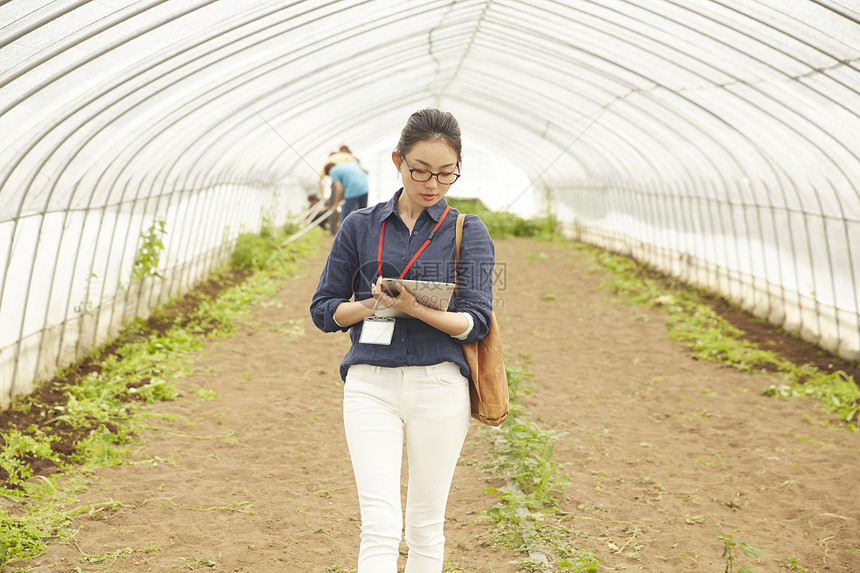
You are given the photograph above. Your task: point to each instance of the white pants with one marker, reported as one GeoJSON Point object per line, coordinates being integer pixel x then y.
{"type": "Point", "coordinates": [432, 403]}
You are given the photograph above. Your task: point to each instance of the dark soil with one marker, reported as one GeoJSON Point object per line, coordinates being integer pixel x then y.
{"type": "Point", "coordinates": [40, 409]}
{"type": "Point", "coordinates": [769, 337]}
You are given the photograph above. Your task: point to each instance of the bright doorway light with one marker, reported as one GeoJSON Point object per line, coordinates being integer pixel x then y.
{"type": "Point", "coordinates": [498, 183]}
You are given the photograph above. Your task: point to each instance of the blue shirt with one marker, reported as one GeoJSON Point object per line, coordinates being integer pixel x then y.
{"type": "Point", "coordinates": [352, 267]}
{"type": "Point", "coordinates": [352, 177]}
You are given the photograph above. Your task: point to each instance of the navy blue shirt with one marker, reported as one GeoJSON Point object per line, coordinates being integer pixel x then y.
{"type": "Point", "coordinates": [352, 267]}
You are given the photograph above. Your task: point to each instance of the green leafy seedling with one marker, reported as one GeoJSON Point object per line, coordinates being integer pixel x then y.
{"type": "Point", "coordinates": [729, 546]}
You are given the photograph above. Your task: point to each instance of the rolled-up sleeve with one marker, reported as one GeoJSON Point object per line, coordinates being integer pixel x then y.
{"type": "Point", "coordinates": [475, 277]}
{"type": "Point", "coordinates": [336, 282]}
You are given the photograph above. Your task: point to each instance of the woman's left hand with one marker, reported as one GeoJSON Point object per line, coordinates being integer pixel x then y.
{"type": "Point", "coordinates": [404, 300]}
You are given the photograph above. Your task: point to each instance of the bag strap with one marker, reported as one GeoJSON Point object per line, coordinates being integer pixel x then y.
{"type": "Point", "coordinates": [458, 239]}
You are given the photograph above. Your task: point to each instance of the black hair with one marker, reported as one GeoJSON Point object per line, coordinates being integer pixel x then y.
{"type": "Point", "coordinates": [431, 124]}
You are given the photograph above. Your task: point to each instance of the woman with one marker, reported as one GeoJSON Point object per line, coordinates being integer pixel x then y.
{"type": "Point", "coordinates": [409, 372]}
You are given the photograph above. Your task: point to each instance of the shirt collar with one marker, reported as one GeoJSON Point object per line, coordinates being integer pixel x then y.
{"type": "Point", "coordinates": [436, 210]}
{"type": "Point", "coordinates": [390, 207]}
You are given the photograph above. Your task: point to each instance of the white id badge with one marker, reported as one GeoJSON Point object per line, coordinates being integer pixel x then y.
{"type": "Point", "coordinates": [377, 330]}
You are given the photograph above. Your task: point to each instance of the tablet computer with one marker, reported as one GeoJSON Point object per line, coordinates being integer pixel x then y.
{"type": "Point", "coordinates": [429, 293]}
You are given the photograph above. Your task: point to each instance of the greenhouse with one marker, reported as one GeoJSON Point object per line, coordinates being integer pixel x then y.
{"type": "Point", "coordinates": [709, 145]}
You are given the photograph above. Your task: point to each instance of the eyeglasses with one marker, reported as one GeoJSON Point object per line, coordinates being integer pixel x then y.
{"type": "Point", "coordinates": [422, 175]}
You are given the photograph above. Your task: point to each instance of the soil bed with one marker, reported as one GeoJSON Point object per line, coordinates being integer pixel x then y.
{"type": "Point", "coordinates": [665, 454]}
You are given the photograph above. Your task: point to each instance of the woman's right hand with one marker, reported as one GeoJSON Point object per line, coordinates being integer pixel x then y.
{"type": "Point", "coordinates": [402, 300]}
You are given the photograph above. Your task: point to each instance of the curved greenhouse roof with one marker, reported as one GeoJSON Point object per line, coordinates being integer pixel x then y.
{"type": "Point", "coordinates": [717, 140]}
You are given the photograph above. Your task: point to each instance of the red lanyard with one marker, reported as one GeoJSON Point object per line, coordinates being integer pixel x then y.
{"type": "Point", "coordinates": [421, 250]}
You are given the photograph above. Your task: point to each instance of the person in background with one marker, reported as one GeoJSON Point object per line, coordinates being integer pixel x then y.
{"type": "Point", "coordinates": [348, 182]}
{"type": "Point", "coordinates": [335, 157]}
{"type": "Point", "coordinates": [342, 155]}
{"type": "Point", "coordinates": [345, 149]}
{"type": "Point", "coordinates": [407, 373]}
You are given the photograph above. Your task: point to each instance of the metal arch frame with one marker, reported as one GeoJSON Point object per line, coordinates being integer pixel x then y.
{"type": "Point", "coordinates": [836, 102]}
{"type": "Point", "coordinates": [25, 153]}
{"type": "Point", "coordinates": [775, 9]}
{"type": "Point", "coordinates": [737, 255]}
{"type": "Point", "coordinates": [166, 128]}
{"type": "Point", "coordinates": [844, 13]}
{"type": "Point", "coordinates": [813, 144]}
{"type": "Point", "coordinates": [17, 218]}
{"type": "Point", "coordinates": [705, 134]}
{"type": "Point", "coordinates": [707, 64]}
{"type": "Point", "coordinates": [792, 128]}
{"type": "Point", "coordinates": [93, 98]}
{"type": "Point", "coordinates": [564, 145]}
{"type": "Point", "coordinates": [596, 103]}
{"type": "Point", "coordinates": [234, 78]}
{"type": "Point", "coordinates": [90, 57]}
{"type": "Point", "coordinates": [87, 60]}
{"type": "Point", "coordinates": [80, 126]}
{"type": "Point", "coordinates": [515, 117]}
{"type": "Point", "coordinates": [707, 111]}
{"type": "Point", "coordinates": [606, 151]}
{"type": "Point", "coordinates": [42, 21]}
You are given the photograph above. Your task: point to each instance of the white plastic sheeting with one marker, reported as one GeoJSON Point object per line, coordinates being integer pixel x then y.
{"type": "Point", "coordinates": [715, 139]}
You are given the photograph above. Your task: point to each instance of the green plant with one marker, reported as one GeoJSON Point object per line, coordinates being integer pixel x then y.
{"type": "Point", "coordinates": [103, 406]}
{"type": "Point", "coordinates": [837, 392]}
{"type": "Point", "coordinates": [99, 449]}
{"type": "Point", "coordinates": [113, 556]}
{"type": "Point", "coordinates": [729, 546]}
{"type": "Point", "coordinates": [189, 563]}
{"type": "Point", "coordinates": [20, 450]}
{"type": "Point", "coordinates": [258, 251]}
{"type": "Point", "coordinates": [251, 251]}
{"type": "Point", "coordinates": [26, 533]}
{"type": "Point", "coordinates": [149, 253]}
{"type": "Point", "coordinates": [695, 324]}
{"type": "Point", "coordinates": [793, 566]}
{"type": "Point", "coordinates": [526, 453]}
{"type": "Point", "coordinates": [526, 518]}
{"type": "Point", "coordinates": [207, 394]}
{"type": "Point", "coordinates": [503, 225]}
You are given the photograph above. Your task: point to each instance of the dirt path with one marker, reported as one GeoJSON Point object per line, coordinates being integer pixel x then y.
{"type": "Point", "coordinates": [258, 479]}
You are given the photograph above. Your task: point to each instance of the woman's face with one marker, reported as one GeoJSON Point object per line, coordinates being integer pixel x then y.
{"type": "Point", "coordinates": [429, 155]}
